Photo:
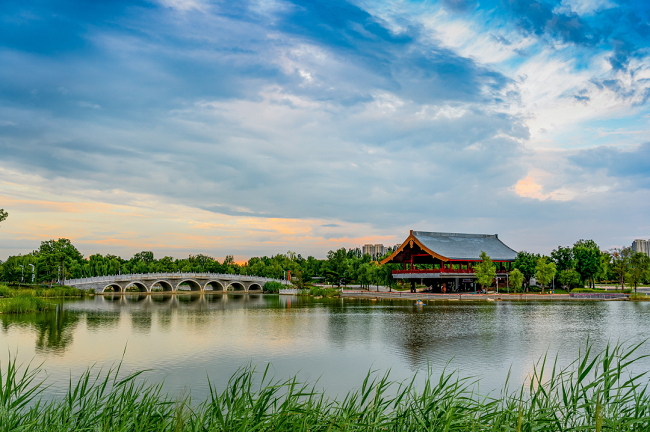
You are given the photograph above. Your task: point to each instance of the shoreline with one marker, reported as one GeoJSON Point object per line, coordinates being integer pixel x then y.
{"type": "Point", "coordinates": [397, 295]}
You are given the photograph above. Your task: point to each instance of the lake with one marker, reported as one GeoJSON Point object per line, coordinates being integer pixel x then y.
{"type": "Point", "coordinates": [183, 339]}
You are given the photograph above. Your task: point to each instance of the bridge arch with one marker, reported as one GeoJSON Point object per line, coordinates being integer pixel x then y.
{"type": "Point", "coordinates": [194, 285]}
{"type": "Point", "coordinates": [236, 286]}
{"type": "Point", "coordinates": [255, 287]}
{"type": "Point", "coordinates": [166, 286]}
{"type": "Point", "coordinates": [139, 285]}
{"type": "Point", "coordinates": [116, 288]}
{"type": "Point", "coordinates": [213, 285]}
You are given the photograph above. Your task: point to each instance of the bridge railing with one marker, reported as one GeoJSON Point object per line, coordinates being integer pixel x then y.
{"type": "Point", "coordinates": [140, 276]}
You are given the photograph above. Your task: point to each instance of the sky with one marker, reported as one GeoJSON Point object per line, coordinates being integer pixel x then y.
{"type": "Point", "coordinates": [257, 127]}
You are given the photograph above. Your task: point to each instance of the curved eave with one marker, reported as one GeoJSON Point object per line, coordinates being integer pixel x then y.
{"type": "Point", "coordinates": [412, 239]}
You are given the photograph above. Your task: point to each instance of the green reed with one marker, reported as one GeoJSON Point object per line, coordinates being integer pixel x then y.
{"type": "Point", "coordinates": [23, 303]}
{"type": "Point", "coordinates": [40, 291]}
{"type": "Point", "coordinates": [595, 393]}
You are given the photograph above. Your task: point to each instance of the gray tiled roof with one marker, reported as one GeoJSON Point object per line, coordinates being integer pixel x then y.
{"type": "Point", "coordinates": [465, 246]}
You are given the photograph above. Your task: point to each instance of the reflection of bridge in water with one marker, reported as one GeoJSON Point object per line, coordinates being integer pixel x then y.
{"type": "Point", "coordinates": [173, 282]}
{"type": "Point", "coordinates": [203, 300]}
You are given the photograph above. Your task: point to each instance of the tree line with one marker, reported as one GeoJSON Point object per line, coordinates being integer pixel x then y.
{"type": "Point", "coordinates": [572, 266]}
{"type": "Point", "coordinates": [585, 264]}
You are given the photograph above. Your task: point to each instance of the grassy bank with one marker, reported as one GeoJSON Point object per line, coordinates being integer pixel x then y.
{"type": "Point", "coordinates": [23, 303]}
{"type": "Point", "coordinates": [43, 291]}
{"type": "Point", "coordinates": [600, 291]}
{"type": "Point", "coordinates": [14, 299]}
{"type": "Point", "coordinates": [594, 394]}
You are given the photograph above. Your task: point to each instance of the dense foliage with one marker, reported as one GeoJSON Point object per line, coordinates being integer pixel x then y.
{"type": "Point", "coordinates": [583, 263]}
{"type": "Point", "coordinates": [59, 259]}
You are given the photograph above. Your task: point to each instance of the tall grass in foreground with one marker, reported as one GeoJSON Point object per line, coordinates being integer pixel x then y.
{"type": "Point", "coordinates": [593, 394]}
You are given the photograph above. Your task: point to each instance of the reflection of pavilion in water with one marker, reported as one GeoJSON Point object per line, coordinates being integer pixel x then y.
{"type": "Point", "coordinates": [446, 261]}
{"type": "Point", "coordinates": [416, 334]}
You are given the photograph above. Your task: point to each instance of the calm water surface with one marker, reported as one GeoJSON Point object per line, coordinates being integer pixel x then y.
{"type": "Point", "coordinates": [184, 339]}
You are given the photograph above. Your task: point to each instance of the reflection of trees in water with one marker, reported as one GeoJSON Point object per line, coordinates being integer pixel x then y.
{"type": "Point", "coordinates": [214, 298]}
{"type": "Point", "coordinates": [416, 334]}
{"type": "Point", "coordinates": [351, 322]}
{"type": "Point", "coordinates": [54, 328]}
{"type": "Point", "coordinates": [188, 298]}
{"type": "Point", "coordinates": [141, 321]}
{"type": "Point", "coordinates": [425, 333]}
{"type": "Point", "coordinates": [164, 318]}
{"type": "Point", "coordinates": [98, 320]}
{"type": "Point", "coordinates": [161, 298]}
{"type": "Point", "coordinates": [135, 298]}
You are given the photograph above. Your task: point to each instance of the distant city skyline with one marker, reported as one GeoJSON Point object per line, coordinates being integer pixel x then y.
{"type": "Point", "coordinates": [641, 245]}
{"type": "Point", "coordinates": [255, 128]}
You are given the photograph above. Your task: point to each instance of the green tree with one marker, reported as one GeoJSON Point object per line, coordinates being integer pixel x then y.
{"type": "Point", "coordinates": [516, 280]}
{"type": "Point", "coordinates": [620, 263]}
{"type": "Point", "coordinates": [56, 258]}
{"type": "Point", "coordinates": [385, 274]}
{"type": "Point", "coordinates": [526, 263]}
{"type": "Point", "coordinates": [298, 279]}
{"type": "Point", "coordinates": [563, 258]}
{"type": "Point", "coordinates": [364, 275]}
{"type": "Point", "coordinates": [638, 269]}
{"type": "Point", "coordinates": [604, 268]}
{"type": "Point", "coordinates": [272, 287]}
{"type": "Point", "coordinates": [587, 256]}
{"type": "Point", "coordinates": [337, 266]}
{"type": "Point", "coordinates": [3, 215]}
{"type": "Point", "coordinates": [485, 271]}
{"type": "Point", "coordinates": [569, 278]}
{"type": "Point", "coordinates": [544, 271]}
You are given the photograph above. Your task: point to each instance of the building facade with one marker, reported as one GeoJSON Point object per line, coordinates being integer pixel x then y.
{"type": "Point", "coordinates": [376, 251]}
{"type": "Point", "coordinates": [642, 246]}
{"type": "Point", "coordinates": [446, 261]}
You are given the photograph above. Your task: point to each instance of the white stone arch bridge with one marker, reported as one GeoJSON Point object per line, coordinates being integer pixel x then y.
{"type": "Point", "coordinates": [174, 282]}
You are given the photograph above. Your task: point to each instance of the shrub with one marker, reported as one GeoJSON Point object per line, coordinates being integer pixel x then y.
{"type": "Point", "coordinates": [272, 287]}
{"type": "Point", "coordinates": [639, 297]}
{"type": "Point", "coordinates": [325, 292]}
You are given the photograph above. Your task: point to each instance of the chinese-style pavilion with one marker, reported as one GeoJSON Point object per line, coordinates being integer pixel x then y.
{"type": "Point", "coordinates": [447, 260]}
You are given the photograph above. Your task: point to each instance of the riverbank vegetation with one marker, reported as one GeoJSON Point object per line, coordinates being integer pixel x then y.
{"type": "Point", "coordinates": [566, 267]}
{"type": "Point", "coordinates": [23, 303]}
{"type": "Point", "coordinates": [7, 291]}
{"type": "Point", "coordinates": [600, 291]}
{"type": "Point", "coordinates": [17, 299]}
{"type": "Point", "coordinates": [595, 393]}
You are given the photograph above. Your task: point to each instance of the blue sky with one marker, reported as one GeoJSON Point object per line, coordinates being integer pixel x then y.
{"type": "Point", "coordinates": [189, 126]}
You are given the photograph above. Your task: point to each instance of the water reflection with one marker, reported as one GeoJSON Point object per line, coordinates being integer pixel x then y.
{"type": "Point", "coordinates": [182, 337]}
{"type": "Point", "coordinates": [98, 320]}
{"type": "Point", "coordinates": [54, 329]}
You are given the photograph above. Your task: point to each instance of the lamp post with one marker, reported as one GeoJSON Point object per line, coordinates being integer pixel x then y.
{"type": "Point", "coordinates": [33, 272]}
{"type": "Point", "coordinates": [22, 273]}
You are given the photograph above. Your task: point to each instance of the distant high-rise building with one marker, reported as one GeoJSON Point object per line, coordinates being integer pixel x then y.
{"type": "Point", "coordinates": [641, 246]}
{"type": "Point", "coordinates": [376, 251]}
